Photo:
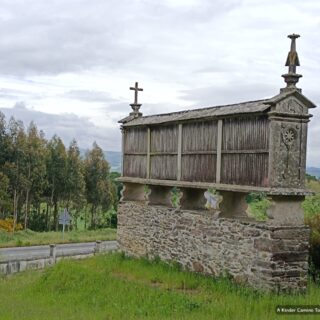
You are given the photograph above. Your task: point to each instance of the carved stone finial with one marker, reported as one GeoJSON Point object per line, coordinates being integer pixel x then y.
{"type": "Point", "coordinates": [136, 106]}
{"type": "Point", "coordinates": [291, 78]}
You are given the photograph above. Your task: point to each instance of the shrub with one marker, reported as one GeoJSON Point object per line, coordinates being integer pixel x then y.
{"type": "Point", "coordinates": [314, 222]}
{"type": "Point", "coordinates": [257, 209]}
{"type": "Point", "coordinates": [7, 225]}
{"type": "Point", "coordinates": [311, 206]}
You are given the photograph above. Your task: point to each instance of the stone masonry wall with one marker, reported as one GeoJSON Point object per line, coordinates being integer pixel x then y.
{"type": "Point", "coordinates": [266, 257]}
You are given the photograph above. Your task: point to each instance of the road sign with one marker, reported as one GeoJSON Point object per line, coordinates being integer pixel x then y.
{"type": "Point", "coordinates": [64, 218]}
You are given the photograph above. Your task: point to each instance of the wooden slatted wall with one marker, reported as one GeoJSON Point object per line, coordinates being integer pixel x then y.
{"type": "Point", "coordinates": [135, 152]}
{"type": "Point", "coordinates": [245, 143]}
{"type": "Point", "coordinates": [164, 152]}
{"type": "Point", "coordinates": [199, 148]}
{"type": "Point", "coordinates": [192, 152]}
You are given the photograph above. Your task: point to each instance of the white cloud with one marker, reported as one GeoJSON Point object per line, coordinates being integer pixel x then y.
{"type": "Point", "coordinates": [80, 57]}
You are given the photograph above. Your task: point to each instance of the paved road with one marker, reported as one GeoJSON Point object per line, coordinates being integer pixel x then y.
{"type": "Point", "coordinates": [62, 249]}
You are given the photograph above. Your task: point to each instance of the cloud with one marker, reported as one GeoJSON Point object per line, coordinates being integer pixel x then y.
{"type": "Point", "coordinates": [89, 96]}
{"type": "Point", "coordinates": [54, 37]}
{"type": "Point", "coordinates": [80, 57]}
{"type": "Point", "coordinates": [67, 126]}
{"type": "Point", "coordinates": [232, 92]}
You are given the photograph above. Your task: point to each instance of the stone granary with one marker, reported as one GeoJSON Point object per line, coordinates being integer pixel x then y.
{"type": "Point", "coordinates": [215, 157]}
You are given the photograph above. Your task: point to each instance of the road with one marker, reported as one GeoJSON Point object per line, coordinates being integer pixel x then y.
{"type": "Point", "coordinates": [62, 250]}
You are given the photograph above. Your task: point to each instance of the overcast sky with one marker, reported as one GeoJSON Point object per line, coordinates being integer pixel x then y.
{"type": "Point", "coordinates": [68, 64]}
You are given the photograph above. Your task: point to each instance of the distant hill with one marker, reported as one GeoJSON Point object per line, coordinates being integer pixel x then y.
{"type": "Point", "coordinates": [114, 159]}
{"type": "Point", "coordinates": [314, 171]}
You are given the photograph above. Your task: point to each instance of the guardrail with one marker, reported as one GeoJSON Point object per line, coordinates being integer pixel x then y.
{"type": "Point", "coordinates": [15, 264]}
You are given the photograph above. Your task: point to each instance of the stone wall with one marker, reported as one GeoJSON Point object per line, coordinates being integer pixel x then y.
{"type": "Point", "coordinates": [268, 257]}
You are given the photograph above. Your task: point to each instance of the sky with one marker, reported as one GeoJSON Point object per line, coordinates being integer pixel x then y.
{"type": "Point", "coordinates": [68, 65]}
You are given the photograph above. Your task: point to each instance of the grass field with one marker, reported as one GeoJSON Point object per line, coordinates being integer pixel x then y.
{"type": "Point", "coordinates": [114, 287]}
{"type": "Point", "coordinates": [29, 238]}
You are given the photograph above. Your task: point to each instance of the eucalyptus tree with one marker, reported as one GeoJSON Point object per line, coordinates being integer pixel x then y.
{"type": "Point", "coordinates": [5, 204]}
{"type": "Point", "coordinates": [56, 166]}
{"type": "Point", "coordinates": [35, 168]}
{"type": "Point", "coordinates": [99, 189]}
{"type": "Point", "coordinates": [15, 166]}
{"type": "Point", "coordinates": [75, 183]}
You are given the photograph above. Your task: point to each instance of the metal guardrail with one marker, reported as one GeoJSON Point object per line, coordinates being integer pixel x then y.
{"type": "Point", "coordinates": [13, 264]}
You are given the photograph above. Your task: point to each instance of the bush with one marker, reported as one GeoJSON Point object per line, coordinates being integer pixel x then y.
{"type": "Point", "coordinates": [7, 225]}
{"type": "Point", "coordinates": [311, 206]}
{"type": "Point", "coordinates": [314, 269]}
{"type": "Point", "coordinates": [257, 208]}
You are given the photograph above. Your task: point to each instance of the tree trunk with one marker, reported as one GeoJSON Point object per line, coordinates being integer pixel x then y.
{"type": "Point", "coordinates": [93, 223]}
{"type": "Point", "coordinates": [15, 209]}
{"type": "Point", "coordinates": [47, 217]}
{"type": "Point", "coordinates": [26, 210]}
{"type": "Point", "coordinates": [55, 216]}
{"type": "Point", "coordinates": [85, 217]}
{"type": "Point", "coordinates": [27, 201]}
{"type": "Point", "coordinates": [76, 220]}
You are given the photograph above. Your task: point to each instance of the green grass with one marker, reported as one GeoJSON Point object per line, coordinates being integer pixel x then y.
{"type": "Point", "coordinates": [114, 287]}
{"type": "Point", "coordinates": [30, 238]}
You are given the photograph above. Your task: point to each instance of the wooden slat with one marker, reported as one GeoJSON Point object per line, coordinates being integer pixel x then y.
{"type": "Point", "coordinates": [219, 148]}
{"type": "Point", "coordinates": [136, 153]}
{"type": "Point", "coordinates": [148, 152]}
{"type": "Point", "coordinates": [244, 151]}
{"type": "Point", "coordinates": [199, 167]}
{"type": "Point", "coordinates": [164, 167]}
{"type": "Point", "coordinates": [122, 152]}
{"type": "Point", "coordinates": [186, 153]}
{"type": "Point", "coordinates": [135, 166]}
{"type": "Point", "coordinates": [163, 153]}
{"type": "Point", "coordinates": [179, 152]}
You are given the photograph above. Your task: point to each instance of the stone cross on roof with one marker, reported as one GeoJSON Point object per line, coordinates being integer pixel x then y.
{"type": "Point", "coordinates": [291, 78]}
{"type": "Point", "coordinates": [136, 106]}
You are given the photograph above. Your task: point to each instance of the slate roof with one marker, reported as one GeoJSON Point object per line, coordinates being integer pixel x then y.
{"type": "Point", "coordinates": [248, 107]}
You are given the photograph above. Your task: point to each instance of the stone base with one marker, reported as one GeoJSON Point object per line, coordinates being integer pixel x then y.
{"type": "Point", "coordinates": [266, 257]}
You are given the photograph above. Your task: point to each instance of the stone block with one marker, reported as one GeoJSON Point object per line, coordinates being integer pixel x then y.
{"type": "Point", "coordinates": [302, 233]}
{"type": "Point", "coordinates": [290, 256]}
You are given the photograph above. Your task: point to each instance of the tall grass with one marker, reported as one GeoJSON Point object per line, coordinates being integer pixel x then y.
{"type": "Point", "coordinates": [29, 238]}
{"type": "Point", "coordinates": [115, 287]}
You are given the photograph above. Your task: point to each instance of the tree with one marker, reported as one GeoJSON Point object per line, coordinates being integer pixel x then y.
{"type": "Point", "coordinates": [4, 180]}
{"type": "Point", "coordinates": [56, 174]}
{"type": "Point", "coordinates": [35, 167]}
{"type": "Point", "coordinates": [99, 189]}
{"type": "Point", "coordinates": [15, 166]}
{"type": "Point", "coordinates": [4, 141]}
{"type": "Point", "coordinates": [75, 184]}
{"type": "Point", "coordinates": [5, 204]}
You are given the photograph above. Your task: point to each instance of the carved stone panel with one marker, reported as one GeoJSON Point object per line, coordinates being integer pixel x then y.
{"type": "Point", "coordinates": [287, 163]}
{"type": "Point", "coordinates": [291, 106]}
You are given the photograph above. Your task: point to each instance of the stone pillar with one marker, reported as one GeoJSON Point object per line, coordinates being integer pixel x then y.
{"type": "Point", "coordinates": [133, 192]}
{"type": "Point", "coordinates": [233, 204]}
{"type": "Point", "coordinates": [286, 210]}
{"type": "Point", "coordinates": [160, 195]}
{"type": "Point", "coordinates": [192, 199]}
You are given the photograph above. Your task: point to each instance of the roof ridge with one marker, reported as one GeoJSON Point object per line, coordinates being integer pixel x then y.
{"type": "Point", "coordinates": [205, 108]}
